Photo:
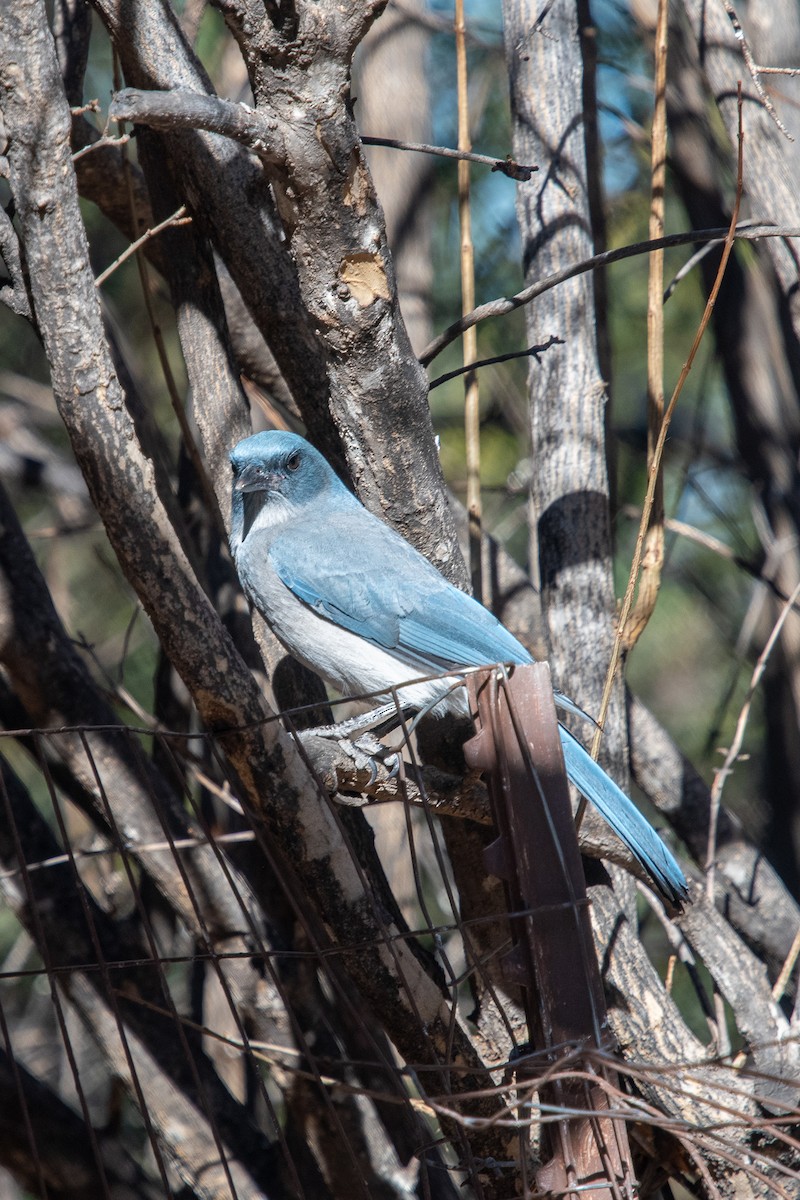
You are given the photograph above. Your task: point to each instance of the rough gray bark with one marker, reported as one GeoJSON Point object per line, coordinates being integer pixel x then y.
{"type": "Point", "coordinates": [570, 527]}
{"type": "Point", "coordinates": [558, 445]}
{"type": "Point", "coordinates": [334, 229]}
{"type": "Point", "coordinates": [571, 544]}
{"type": "Point", "coordinates": [391, 82]}
{"type": "Point", "coordinates": [226, 190]}
{"type": "Point", "coordinates": [339, 259]}
{"type": "Point", "coordinates": [770, 158]}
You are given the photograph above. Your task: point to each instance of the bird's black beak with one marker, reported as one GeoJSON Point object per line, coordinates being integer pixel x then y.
{"type": "Point", "coordinates": [254, 478]}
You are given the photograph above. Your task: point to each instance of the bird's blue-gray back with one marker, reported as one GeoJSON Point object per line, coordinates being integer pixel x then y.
{"type": "Point", "coordinates": [376, 585]}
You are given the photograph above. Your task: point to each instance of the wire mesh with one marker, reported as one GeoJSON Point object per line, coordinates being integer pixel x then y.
{"type": "Point", "coordinates": [187, 1008]}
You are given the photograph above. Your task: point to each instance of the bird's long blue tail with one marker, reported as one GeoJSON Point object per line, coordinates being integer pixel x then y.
{"type": "Point", "coordinates": [624, 818]}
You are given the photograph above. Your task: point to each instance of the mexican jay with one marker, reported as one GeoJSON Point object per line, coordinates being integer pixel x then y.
{"type": "Point", "coordinates": [351, 599]}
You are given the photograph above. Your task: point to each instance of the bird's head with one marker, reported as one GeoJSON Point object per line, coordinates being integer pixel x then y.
{"type": "Point", "coordinates": [275, 474]}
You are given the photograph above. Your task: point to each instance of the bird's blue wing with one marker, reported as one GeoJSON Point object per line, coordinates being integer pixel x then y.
{"type": "Point", "coordinates": [356, 572]}
{"type": "Point", "coordinates": [624, 818]}
{"type": "Point", "coordinates": [360, 574]}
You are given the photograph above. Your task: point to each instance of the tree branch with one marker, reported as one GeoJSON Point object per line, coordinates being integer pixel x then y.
{"type": "Point", "coordinates": [506, 166]}
{"type": "Point", "coordinates": [180, 109]}
{"type": "Point", "coordinates": [503, 305]}
{"type": "Point", "coordinates": [227, 194]}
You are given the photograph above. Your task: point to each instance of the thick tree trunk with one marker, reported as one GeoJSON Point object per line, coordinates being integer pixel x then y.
{"type": "Point", "coordinates": [553, 109]}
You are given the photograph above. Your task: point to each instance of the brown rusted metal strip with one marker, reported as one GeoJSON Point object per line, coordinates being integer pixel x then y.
{"type": "Point", "coordinates": [517, 746]}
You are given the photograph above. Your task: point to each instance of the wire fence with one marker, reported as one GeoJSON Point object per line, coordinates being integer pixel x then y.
{"type": "Point", "coordinates": [188, 1006]}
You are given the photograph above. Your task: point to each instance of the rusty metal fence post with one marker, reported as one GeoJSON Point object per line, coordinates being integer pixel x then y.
{"type": "Point", "coordinates": [553, 960]}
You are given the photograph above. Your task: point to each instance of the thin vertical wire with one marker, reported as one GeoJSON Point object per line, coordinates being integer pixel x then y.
{"type": "Point", "coordinates": [270, 970]}
{"type": "Point", "coordinates": [13, 1066]}
{"type": "Point", "coordinates": [329, 963]}
{"type": "Point", "coordinates": [58, 1008]}
{"type": "Point", "coordinates": [204, 1102]}
{"type": "Point", "coordinates": [110, 996]}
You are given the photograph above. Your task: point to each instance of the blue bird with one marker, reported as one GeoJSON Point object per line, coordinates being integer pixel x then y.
{"type": "Point", "coordinates": [354, 601]}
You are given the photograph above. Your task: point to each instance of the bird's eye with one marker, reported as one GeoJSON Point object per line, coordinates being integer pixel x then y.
{"type": "Point", "coordinates": [293, 461]}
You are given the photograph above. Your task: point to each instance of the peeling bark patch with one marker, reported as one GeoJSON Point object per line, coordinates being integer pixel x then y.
{"type": "Point", "coordinates": [358, 194]}
{"type": "Point", "coordinates": [365, 277]}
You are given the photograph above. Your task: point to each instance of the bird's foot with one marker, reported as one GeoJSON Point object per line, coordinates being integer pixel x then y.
{"type": "Point", "coordinates": [357, 739]}
{"type": "Point", "coordinates": [367, 753]}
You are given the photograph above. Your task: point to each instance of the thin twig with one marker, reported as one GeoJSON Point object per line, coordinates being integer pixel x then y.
{"type": "Point", "coordinates": [179, 217]}
{"type": "Point", "coordinates": [531, 352]}
{"type": "Point", "coordinates": [653, 554]}
{"type": "Point", "coordinates": [521, 172]}
{"type": "Point", "coordinates": [683, 953]}
{"type": "Point", "coordinates": [662, 438]}
{"type": "Point", "coordinates": [105, 140]}
{"type": "Point", "coordinates": [507, 304]}
{"type": "Point", "coordinates": [753, 68]}
{"type": "Point", "coordinates": [81, 109]}
{"type": "Point", "coordinates": [472, 430]}
{"type": "Point", "coordinates": [673, 958]}
{"type": "Point", "coordinates": [779, 986]}
{"type": "Point", "coordinates": [422, 15]}
{"type": "Point", "coordinates": [736, 744]}
{"type": "Point", "coordinates": [695, 261]}
{"type": "Point", "coordinates": [702, 538]}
